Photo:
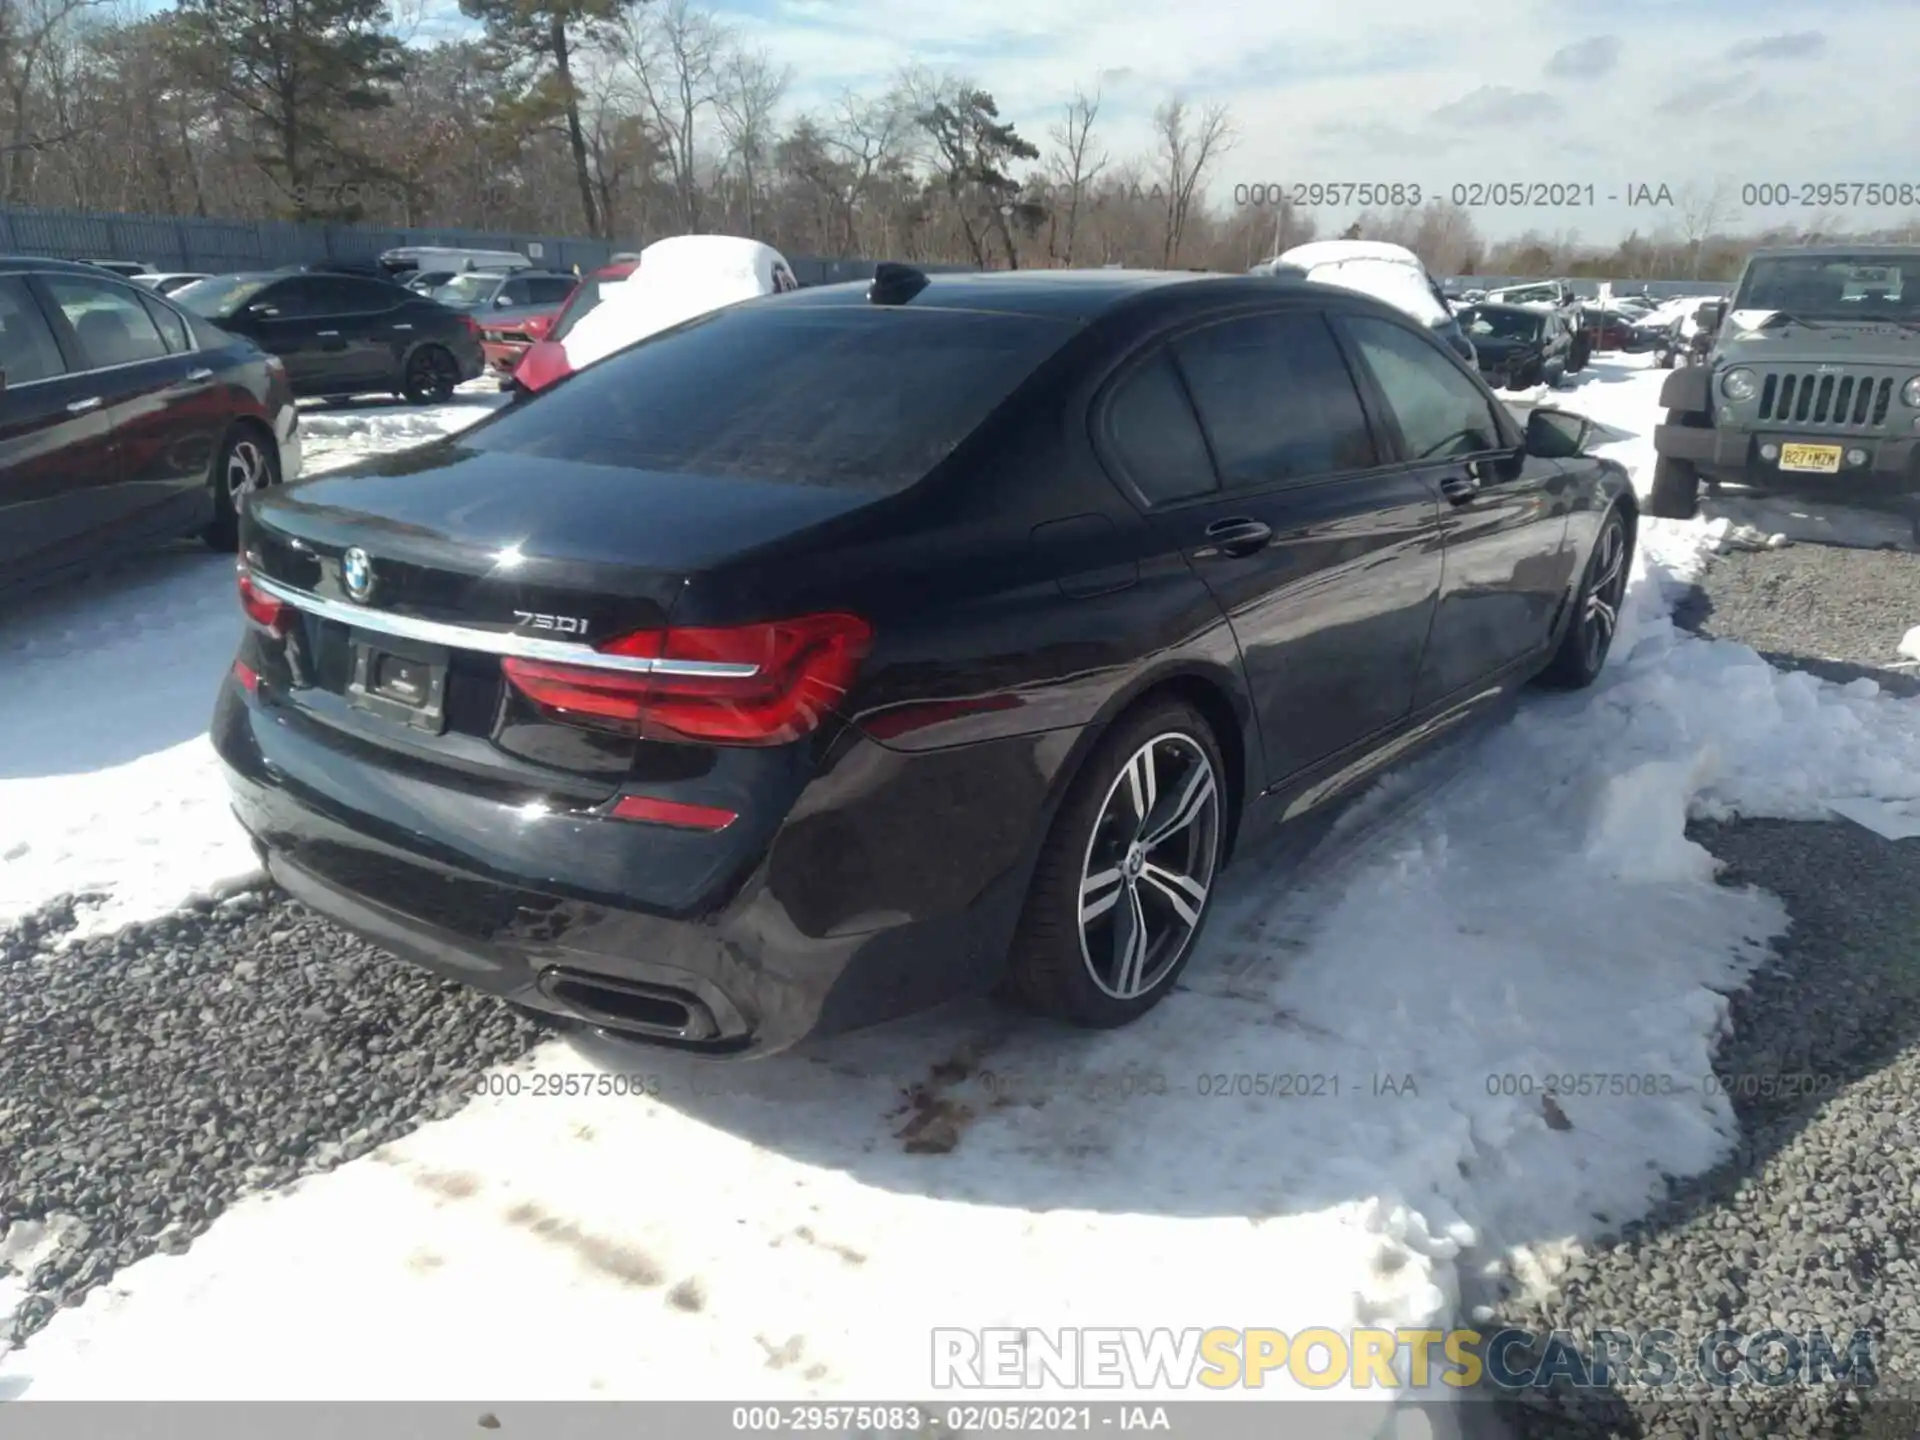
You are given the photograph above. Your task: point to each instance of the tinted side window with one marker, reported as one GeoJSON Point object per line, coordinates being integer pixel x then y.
{"type": "Point", "coordinates": [109, 321]}
{"type": "Point", "coordinates": [347, 295]}
{"type": "Point", "coordinates": [27, 348]}
{"type": "Point", "coordinates": [1439, 410]}
{"type": "Point", "coordinates": [293, 299]}
{"type": "Point", "coordinates": [548, 290]}
{"type": "Point", "coordinates": [172, 328]}
{"type": "Point", "coordinates": [1275, 397]}
{"type": "Point", "coordinates": [1157, 438]}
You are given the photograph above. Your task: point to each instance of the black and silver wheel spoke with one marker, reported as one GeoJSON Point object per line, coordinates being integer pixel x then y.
{"type": "Point", "coordinates": [1602, 613]}
{"type": "Point", "coordinates": [1149, 866]}
{"type": "Point", "coordinates": [246, 469]}
{"type": "Point", "coordinates": [1185, 894]}
{"type": "Point", "coordinates": [1189, 803]}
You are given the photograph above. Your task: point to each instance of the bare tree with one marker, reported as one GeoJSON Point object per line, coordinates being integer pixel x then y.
{"type": "Point", "coordinates": [675, 56]}
{"type": "Point", "coordinates": [1187, 145]}
{"type": "Point", "coordinates": [751, 90]}
{"type": "Point", "coordinates": [1072, 170]}
{"type": "Point", "coordinates": [1702, 210]}
{"type": "Point", "coordinates": [29, 32]}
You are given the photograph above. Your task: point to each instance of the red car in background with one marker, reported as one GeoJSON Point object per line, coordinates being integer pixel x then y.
{"type": "Point", "coordinates": [517, 315]}
{"type": "Point", "coordinates": [542, 361]}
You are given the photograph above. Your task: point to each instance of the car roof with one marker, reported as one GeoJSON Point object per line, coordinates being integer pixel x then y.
{"type": "Point", "coordinates": [16, 263]}
{"type": "Point", "coordinates": [1836, 252]}
{"type": "Point", "coordinates": [1077, 295]}
{"type": "Point", "coordinates": [1316, 253]}
{"type": "Point", "coordinates": [1498, 307]}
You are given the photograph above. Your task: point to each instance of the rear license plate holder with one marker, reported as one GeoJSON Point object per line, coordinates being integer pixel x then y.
{"type": "Point", "coordinates": [401, 682]}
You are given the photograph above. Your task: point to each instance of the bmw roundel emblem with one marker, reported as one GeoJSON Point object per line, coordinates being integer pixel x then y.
{"type": "Point", "coordinates": [356, 573]}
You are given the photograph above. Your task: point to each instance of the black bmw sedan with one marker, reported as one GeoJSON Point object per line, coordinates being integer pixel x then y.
{"type": "Point", "coordinates": [839, 653]}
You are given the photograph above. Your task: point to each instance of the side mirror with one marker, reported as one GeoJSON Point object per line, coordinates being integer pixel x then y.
{"type": "Point", "coordinates": [1711, 315]}
{"type": "Point", "coordinates": [1557, 434]}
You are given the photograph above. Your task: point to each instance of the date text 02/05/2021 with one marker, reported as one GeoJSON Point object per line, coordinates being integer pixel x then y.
{"type": "Point", "coordinates": [1470, 194]}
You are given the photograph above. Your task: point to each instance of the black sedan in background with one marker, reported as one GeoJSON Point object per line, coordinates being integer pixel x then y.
{"type": "Point", "coordinates": [960, 650]}
{"type": "Point", "coordinates": [1520, 346]}
{"type": "Point", "coordinates": [125, 421]}
{"type": "Point", "coordinates": [345, 335]}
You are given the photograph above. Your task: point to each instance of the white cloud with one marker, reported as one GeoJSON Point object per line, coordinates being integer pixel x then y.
{"type": "Point", "coordinates": [1426, 92]}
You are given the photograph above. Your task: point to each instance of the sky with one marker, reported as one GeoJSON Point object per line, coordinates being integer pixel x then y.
{"type": "Point", "coordinates": [1574, 108]}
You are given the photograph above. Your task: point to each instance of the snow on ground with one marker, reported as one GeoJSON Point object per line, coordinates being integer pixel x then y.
{"type": "Point", "coordinates": [107, 782]}
{"type": "Point", "coordinates": [1523, 906]}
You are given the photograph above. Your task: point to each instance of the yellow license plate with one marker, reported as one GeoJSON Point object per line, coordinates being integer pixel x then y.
{"type": "Point", "coordinates": [1811, 459]}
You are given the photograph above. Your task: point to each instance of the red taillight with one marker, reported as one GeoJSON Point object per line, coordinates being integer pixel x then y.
{"type": "Point", "coordinates": [542, 364]}
{"type": "Point", "coordinates": [246, 675]}
{"type": "Point", "coordinates": [653, 811]}
{"type": "Point", "coordinates": [747, 685]}
{"type": "Point", "coordinates": [262, 609]}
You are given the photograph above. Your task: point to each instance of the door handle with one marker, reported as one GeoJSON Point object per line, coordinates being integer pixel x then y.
{"type": "Point", "coordinates": [194, 377]}
{"type": "Point", "coordinates": [403, 327]}
{"type": "Point", "coordinates": [327, 334]}
{"type": "Point", "coordinates": [1459, 488]}
{"type": "Point", "coordinates": [1236, 537]}
{"type": "Point", "coordinates": [81, 407]}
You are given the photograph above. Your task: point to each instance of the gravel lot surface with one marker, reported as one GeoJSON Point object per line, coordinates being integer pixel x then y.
{"type": "Point", "coordinates": [154, 1076]}
{"type": "Point", "coordinates": [1812, 1223]}
{"type": "Point", "coordinates": [1838, 613]}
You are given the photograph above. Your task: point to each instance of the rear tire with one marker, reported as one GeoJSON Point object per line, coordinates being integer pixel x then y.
{"type": "Point", "coordinates": [431, 377]}
{"type": "Point", "coordinates": [1676, 490]}
{"type": "Point", "coordinates": [1583, 649]}
{"type": "Point", "coordinates": [246, 462]}
{"type": "Point", "coordinates": [1127, 873]}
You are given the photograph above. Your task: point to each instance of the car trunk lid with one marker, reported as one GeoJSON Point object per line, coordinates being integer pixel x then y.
{"type": "Point", "coordinates": [412, 588]}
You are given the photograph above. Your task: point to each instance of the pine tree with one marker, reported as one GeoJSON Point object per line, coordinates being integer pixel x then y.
{"type": "Point", "coordinates": [298, 69]}
{"type": "Point", "coordinates": [542, 39]}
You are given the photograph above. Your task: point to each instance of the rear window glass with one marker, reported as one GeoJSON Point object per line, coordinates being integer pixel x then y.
{"type": "Point", "coordinates": [857, 396]}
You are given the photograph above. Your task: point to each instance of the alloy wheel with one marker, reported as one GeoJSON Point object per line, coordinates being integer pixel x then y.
{"type": "Point", "coordinates": [246, 470]}
{"type": "Point", "coordinates": [1149, 866]}
{"type": "Point", "coordinates": [1602, 616]}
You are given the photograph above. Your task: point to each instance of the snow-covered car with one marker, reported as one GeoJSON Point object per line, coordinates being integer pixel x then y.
{"type": "Point", "coordinates": [1391, 273]}
{"type": "Point", "coordinates": [673, 281]}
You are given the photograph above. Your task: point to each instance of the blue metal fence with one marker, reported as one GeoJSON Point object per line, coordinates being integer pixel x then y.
{"type": "Point", "coordinates": [216, 246]}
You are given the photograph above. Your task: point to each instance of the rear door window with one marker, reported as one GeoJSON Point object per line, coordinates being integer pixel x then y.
{"type": "Point", "coordinates": [864, 397]}
{"type": "Point", "coordinates": [108, 319]}
{"type": "Point", "coordinates": [28, 351]}
{"type": "Point", "coordinates": [1276, 400]}
{"type": "Point", "coordinates": [173, 329]}
{"type": "Point", "coordinates": [1155, 436]}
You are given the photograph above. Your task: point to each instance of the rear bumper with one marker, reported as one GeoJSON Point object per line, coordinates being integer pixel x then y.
{"type": "Point", "coordinates": [502, 358]}
{"type": "Point", "coordinates": [868, 904]}
{"type": "Point", "coordinates": [1892, 465]}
